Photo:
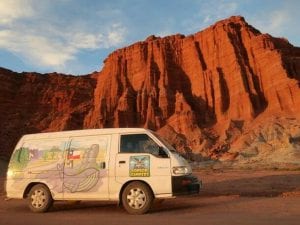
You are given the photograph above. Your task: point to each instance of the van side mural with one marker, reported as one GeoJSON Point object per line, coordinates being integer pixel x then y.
{"type": "Point", "coordinates": [65, 167]}
{"type": "Point", "coordinates": [82, 165]}
{"type": "Point", "coordinates": [139, 166]}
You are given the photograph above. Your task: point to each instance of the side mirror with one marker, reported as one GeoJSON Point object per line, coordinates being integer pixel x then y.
{"type": "Point", "coordinates": [162, 153]}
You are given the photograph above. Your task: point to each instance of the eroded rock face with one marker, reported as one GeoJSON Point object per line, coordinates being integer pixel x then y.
{"type": "Point", "coordinates": [31, 102]}
{"type": "Point", "coordinates": [201, 91]}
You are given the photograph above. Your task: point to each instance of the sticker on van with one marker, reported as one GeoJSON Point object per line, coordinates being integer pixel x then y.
{"type": "Point", "coordinates": [139, 166]}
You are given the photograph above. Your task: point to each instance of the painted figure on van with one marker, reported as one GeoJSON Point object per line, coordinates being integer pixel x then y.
{"type": "Point", "coordinates": [86, 172]}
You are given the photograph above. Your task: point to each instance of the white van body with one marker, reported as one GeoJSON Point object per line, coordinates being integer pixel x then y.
{"type": "Point", "coordinates": [98, 164]}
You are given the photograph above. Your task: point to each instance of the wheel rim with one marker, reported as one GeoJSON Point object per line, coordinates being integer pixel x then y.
{"type": "Point", "coordinates": [136, 198]}
{"type": "Point", "coordinates": [38, 198]}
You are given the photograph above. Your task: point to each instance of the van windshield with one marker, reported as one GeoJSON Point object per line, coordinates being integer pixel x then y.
{"type": "Point", "coordinates": [165, 142]}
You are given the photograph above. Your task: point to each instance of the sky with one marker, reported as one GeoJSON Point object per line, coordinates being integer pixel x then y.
{"type": "Point", "coordinates": [75, 36]}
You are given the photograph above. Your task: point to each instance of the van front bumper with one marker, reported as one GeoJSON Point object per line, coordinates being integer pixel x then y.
{"type": "Point", "coordinates": [185, 185]}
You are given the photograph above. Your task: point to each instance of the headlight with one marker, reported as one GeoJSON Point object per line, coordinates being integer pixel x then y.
{"type": "Point", "coordinates": [180, 170]}
{"type": "Point", "coordinates": [10, 173]}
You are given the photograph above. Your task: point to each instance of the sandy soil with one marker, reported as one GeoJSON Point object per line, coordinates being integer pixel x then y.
{"type": "Point", "coordinates": [249, 183]}
{"type": "Point", "coordinates": [228, 197]}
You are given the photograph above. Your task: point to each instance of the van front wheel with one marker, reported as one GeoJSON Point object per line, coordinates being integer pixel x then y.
{"type": "Point", "coordinates": [137, 198]}
{"type": "Point", "coordinates": [39, 198]}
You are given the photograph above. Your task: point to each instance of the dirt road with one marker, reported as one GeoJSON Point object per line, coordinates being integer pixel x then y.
{"type": "Point", "coordinates": [230, 197]}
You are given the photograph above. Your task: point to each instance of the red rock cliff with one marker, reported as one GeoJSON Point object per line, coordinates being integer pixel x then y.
{"type": "Point", "coordinates": [31, 102]}
{"type": "Point", "coordinates": [200, 91]}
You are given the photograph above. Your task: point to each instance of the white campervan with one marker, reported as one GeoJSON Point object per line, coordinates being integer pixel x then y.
{"type": "Point", "coordinates": [129, 165]}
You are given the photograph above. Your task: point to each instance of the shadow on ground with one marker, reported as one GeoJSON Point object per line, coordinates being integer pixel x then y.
{"type": "Point", "coordinates": [265, 186]}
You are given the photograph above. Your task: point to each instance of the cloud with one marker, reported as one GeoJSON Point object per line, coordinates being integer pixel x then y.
{"type": "Point", "coordinates": [280, 21]}
{"type": "Point", "coordinates": [55, 51]}
{"type": "Point", "coordinates": [209, 12]}
{"type": "Point", "coordinates": [113, 37]}
{"type": "Point", "coordinates": [275, 22]}
{"type": "Point", "coordinates": [37, 50]}
{"type": "Point", "coordinates": [164, 33]}
{"type": "Point", "coordinates": [14, 9]}
{"type": "Point", "coordinates": [47, 44]}
{"type": "Point", "coordinates": [214, 10]}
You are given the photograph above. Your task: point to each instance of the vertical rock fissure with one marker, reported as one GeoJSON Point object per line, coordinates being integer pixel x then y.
{"type": "Point", "coordinates": [225, 99]}
{"type": "Point", "coordinates": [258, 101]}
{"type": "Point", "coordinates": [200, 56]}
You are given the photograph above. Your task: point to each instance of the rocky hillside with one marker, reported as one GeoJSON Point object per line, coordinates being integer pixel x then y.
{"type": "Point", "coordinates": [31, 102]}
{"type": "Point", "coordinates": [211, 93]}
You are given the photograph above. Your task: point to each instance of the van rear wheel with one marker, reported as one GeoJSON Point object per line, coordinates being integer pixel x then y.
{"type": "Point", "coordinates": [39, 198]}
{"type": "Point", "coordinates": [137, 198]}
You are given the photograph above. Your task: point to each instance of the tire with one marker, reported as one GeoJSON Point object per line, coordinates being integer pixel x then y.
{"type": "Point", "coordinates": [137, 198]}
{"type": "Point", "coordinates": [39, 198]}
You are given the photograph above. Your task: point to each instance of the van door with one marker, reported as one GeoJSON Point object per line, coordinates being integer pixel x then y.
{"type": "Point", "coordinates": [86, 168]}
{"type": "Point", "coordinates": [141, 158]}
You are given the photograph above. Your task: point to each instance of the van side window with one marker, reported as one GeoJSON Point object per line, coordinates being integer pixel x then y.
{"type": "Point", "coordinates": [138, 143]}
{"type": "Point", "coordinates": [38, 152]}
{"type": "Point", "coordinates": [87, 152]}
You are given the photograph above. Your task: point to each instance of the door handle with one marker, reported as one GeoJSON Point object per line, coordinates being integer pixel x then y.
{"type": "Point", "coordinates": [122, 162]}
{"type": "Point", "coordinates": [102, 165]}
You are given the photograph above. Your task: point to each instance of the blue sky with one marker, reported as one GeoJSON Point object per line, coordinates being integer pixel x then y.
{"type": "Point", "coordinates": [75, 36]}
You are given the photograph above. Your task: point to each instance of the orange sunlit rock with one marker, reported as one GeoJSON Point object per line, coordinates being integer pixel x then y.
{"type": "Point", "coordinates": [202, 91]}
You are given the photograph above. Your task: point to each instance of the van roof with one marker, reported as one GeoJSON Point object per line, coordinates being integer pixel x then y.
{"type": "Point", "coordinates": [71, 133]}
